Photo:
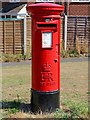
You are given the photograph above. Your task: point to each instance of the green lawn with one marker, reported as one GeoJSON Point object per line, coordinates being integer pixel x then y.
{"type": "Point", "coordinates": [16, 86]}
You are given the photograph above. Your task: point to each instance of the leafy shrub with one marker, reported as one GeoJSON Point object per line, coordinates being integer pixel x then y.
{"type": "Point", "coordinates": [68, 53]}
{"type": "Point", "coordinates": [81, 47]}
{"type": "Point", "coordinates": [15, 58]}
{"type": "Point", "coordinates": [64, 54]}
{"type": "Point", "coordinates": [13, 110]}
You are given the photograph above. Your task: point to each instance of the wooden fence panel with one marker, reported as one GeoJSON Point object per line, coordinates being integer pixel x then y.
{"type": "Point", "coordinates": [1, 36]}
{"type": "Point", "coordinates": [19, 37]}
{"type": "Point", "coordinates": [78, 30]}
{"type": "Point", "coordinates": [28, 35]}
{"type": "Point", "coordinates": [62, 33]}
{"type": "Point", "coordinates": [8, 37]}
{"type": "Point", "coordinates": [11, 36]}
{"type": "Point", "coordinates": [88, 31]}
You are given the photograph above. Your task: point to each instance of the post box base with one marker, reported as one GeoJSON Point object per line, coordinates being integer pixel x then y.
{"type": "Point", "coordinates": [44, 102]}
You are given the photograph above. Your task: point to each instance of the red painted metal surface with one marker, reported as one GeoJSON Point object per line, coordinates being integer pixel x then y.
{"type": "Point", "coordinates": [45, 59]}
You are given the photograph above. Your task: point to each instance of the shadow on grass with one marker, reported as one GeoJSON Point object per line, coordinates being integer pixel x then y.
{"type": "Point", "coordinates": [66, 114]}
{"type": "Point", "coordinates": [16, 105]}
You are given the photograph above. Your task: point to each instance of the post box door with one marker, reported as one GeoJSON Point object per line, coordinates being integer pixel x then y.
{"type": "Point", "coordinates": [46, 49]}
{"type": "Point", "coordinates": [50, 56]}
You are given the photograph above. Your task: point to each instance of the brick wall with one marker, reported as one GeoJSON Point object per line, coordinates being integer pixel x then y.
{"type": "Point", "coordinates": [79, 9]}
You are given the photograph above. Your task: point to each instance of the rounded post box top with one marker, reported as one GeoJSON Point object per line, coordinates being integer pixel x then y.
{"type": "Point", "coordinates": [45, 9]}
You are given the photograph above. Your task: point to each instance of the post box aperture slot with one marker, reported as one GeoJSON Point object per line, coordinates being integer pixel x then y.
{"type": "Point", "coordinates": [47, 26]}
{"type": "Point", "coordinates": [46, 39]}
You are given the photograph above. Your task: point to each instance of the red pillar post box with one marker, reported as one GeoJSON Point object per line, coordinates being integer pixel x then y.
{"type": "Point", "coordinates": [45, 56]}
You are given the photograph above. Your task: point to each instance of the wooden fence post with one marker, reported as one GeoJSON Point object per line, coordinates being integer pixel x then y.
{"type": "Point", "coordinates": [4, 37]}
{"type": "Point", "coordinates": [25, 35]}
{"type": "Point", "coordinates": [14, 37]}
{"type": "Point", "coordinates": [85, 28]}
{"type": "Point", "coordinates": [75, 33]}
{"type": "Point", "coordinates": [65, 33]}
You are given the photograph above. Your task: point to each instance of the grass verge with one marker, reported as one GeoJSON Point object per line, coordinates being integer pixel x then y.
{"type": "Point", "coordinates": [73, 99]}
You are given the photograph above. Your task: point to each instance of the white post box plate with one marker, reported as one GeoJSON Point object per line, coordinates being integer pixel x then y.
{"type": "Point", "coordinates": [46, 39]}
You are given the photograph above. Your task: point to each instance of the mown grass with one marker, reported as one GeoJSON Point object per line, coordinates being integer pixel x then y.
{"type": "Point", "coordinates": [73, 99]}
{"type": "Point", "coordinates": [16, 82]}
{"type": "Point", "coordinates": [72, 110]}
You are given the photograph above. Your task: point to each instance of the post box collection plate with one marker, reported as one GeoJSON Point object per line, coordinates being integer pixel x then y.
{"type": "Point", "coordinates": [45, 90]}
{"type": "Point", "coordinates": [46, 39]}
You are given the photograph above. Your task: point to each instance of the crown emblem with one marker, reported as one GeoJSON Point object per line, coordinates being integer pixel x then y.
{"type": "Point", "coordinates": [46, 67]}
